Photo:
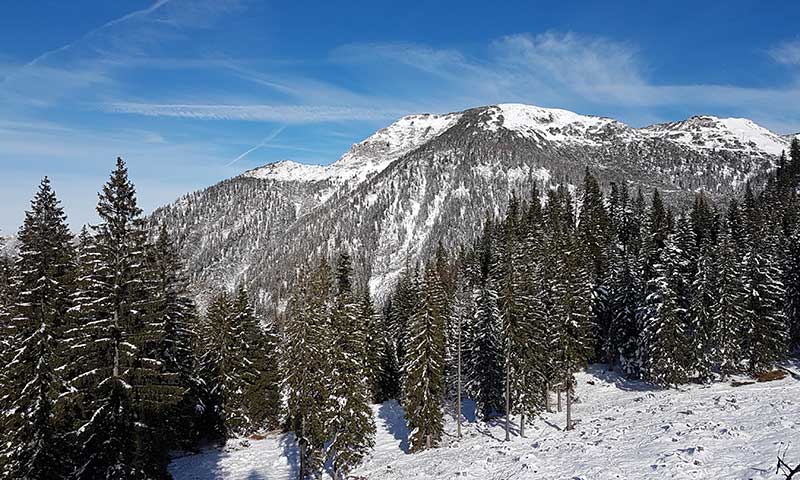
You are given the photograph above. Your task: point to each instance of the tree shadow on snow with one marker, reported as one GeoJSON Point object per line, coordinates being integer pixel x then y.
{"type": "Point", "coordinates": [603, 373]}
{"type": "Point", "coordinates": [289, 444]}
{"type": "Point", "coordinates": [488, 428]}
{"type": "Point", "coordinates": [393, 415]}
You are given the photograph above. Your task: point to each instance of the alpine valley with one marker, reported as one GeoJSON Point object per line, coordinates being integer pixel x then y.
{"type": "Point", "coordinates": [433, 178]}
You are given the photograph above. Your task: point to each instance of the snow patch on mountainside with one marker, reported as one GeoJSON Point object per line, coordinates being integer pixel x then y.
{"type": "Point", "coordinates": [552, 124]}
{"type": "Point", "coordinates": [287, 171]}
{"type": "Point", "coordinates": [625, 430]}
{"type": "Point", "coordinates": [707, 132]}
{"type": "Point", "coordinates": [368, 157]}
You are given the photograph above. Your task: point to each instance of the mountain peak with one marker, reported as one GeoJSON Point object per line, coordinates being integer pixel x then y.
{"type": "Point", "coordinates": [552, 124]}
{"type": "Point", "coordinates": [708, 132]}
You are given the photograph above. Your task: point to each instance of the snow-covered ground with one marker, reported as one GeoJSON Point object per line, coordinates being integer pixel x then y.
{"type": "Point", "coordinates": [625, 430]}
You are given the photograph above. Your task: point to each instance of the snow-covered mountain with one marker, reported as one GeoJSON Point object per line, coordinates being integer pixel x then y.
{"type": "Point", "coordinates": [431, 178]}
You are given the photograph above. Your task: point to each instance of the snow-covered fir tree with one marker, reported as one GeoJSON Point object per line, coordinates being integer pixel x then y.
{"type": "Point", "coordinates": [423, 383]}
{"type": "Point", "coordinates": [119, 381]}
{"type": "Point", "coordinates": [305, 368]}
{"type": "Point", "coordinates": [486, 352]}
{"type": "Point", "coordinates": [664, 336]}
{"type": "Point", "coordinates": [729, 306]}
{"type": "Point", "coordinates": [766, 334]}
{"type": "Point", "coordinates": [351, 428]}
{"type": "Point", "coordinates": [42, 282]}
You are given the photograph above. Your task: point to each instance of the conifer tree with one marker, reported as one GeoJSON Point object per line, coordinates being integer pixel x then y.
{"type": "Point", "coordinates": [664, 337]}
{"type": "Point", "coordinates": [237, 368]}
{"type": "Point", "coordinates": [119, 382]}
{"type": "Point", "coordinates": [401, 306]}
{"type": "Point", "coordinates": [463, 311]}
{"type": "Point", "coordinates": [351, 427]}
{"type": "Point", "coordinates": [306, 374]}
{"type": "Point", "coordinates": [517, 314]}
{"type": "Point", "coordinates": [42, 280]}
{"type": "Point", "coordinates": [728, 309]}
{"type": "Point", "coordinates": [486, 370]}
{"type": "Point", "coordinates": [172, 320]}
{"type": "Point", "coordinates": [593, 232]}
{"type": "Point", "coordinates": [766, 337]}
{"type": "Point", "coordinates": [215, 337]}
{"type": "Point", "coordinates": [374, 344]}
{"type": "Point", "coordinates": [701, 328]}
{"type": "Point", "coordinates": [792, 284]}
{"type": "Point", "coordinates": [257, 397]}
{"type": "Point", "coordinates": [423, 385]}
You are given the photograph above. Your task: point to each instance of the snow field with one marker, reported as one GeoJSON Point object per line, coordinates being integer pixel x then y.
{"type": "Point", "coordinates": [625, 430]}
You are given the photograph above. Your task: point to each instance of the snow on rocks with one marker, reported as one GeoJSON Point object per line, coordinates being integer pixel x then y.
{"type": "Point", "coordinates": [553, 124]}
{"type": "Point", "coordinates": [706, 132]}
{"type": "Point", "coordinates": [625, 429]}
{"type": "Point", "coordinates": [365, 158]}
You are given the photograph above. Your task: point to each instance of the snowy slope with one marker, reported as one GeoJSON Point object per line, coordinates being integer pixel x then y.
{"type": "Point", "coordinates": [712, 133]}
{"type": "Point", "coordinates": [625, 430]}
{"type": "Point", "coordinates": [555, 125]}
{"type": "Point", "coordinates": [370, 156]}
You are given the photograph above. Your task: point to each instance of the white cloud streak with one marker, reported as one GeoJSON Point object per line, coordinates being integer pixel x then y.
{"type": "Point", "coordinates": [262, 143]}
{"type": "Point", "coordinates": [136, 14]}
{"type": "Point", "coordinates": [258, 113]}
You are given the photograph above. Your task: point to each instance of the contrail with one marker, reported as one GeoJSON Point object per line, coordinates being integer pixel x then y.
{"type": "Point", "coordinates": [137, 13]}
{"type": "Point", "coordinates": [269, 138]}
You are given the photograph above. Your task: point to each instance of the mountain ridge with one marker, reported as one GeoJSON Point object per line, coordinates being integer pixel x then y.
{"type": "Point", "coordinates": [431, 178]}
{"type": "Point", "coordinates": [740, 130]}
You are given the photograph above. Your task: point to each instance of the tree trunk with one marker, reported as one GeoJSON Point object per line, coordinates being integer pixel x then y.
{"type": "Point", "coordinates": [569, 406]}
{"type": "Point", "coordinates": [522, 425]}
{"type": "Point", "coordinates": [302, 472]}
{"type": "Point", "coordinates": [558, 393]}
{"type": "Point", "coordinates": [116, 345]}
{"type": "Point", "coordinates": [547, 406]}
{"type": "Point", "coordinates": [458, 408]}
{"type": "Point", "coordinates": [508, 401]}
{"type": "Point", "coordinates": [428, 441]}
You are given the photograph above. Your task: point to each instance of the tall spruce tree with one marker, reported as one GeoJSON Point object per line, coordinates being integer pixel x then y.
{"type": "Point", "coordinates": [257, 396]}
{"type": "Point", "coordinates": [42, 281]}
{"type": "Point", "coordinates": [305, 367]}
{"type": "Point", "coordinates": [486, 369]}
{"type": "Point", "coordinates": [351, 427]}
{"type": "Point", "coordinates": [517, 314]}
{"type": "Point", "coordinates": [704, 293]}
{"type": "Point", "coordinates": [170, 342]}
{"type": "Point", "coordinates": [792, 284]}
{"type": "Point", "coordinates": [664, 337]}
{"type": "Point", "coordinates": [423, 385]}
{"type": "Point", "coordinates": [729, 307]}
{"type": "Point", "coordinates": [766, 337]}
{"type": "Point", "coordinates": [119, 380]}
{"type": "Point", "coordinates": [374, 345]}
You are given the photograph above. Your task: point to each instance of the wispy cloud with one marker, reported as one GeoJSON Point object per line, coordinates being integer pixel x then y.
{"type": "Point", "coordinates": [586, 73]}
{"type": "Point", "coordinates": [259, 113]}
{"type": "Point", "coordinates": [132, 15]}
{"type": "Point", "coordinates": [787, 52]}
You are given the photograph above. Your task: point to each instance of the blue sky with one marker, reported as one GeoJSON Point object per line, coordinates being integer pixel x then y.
{"type": "Point", "coordinates": [183, 89]}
